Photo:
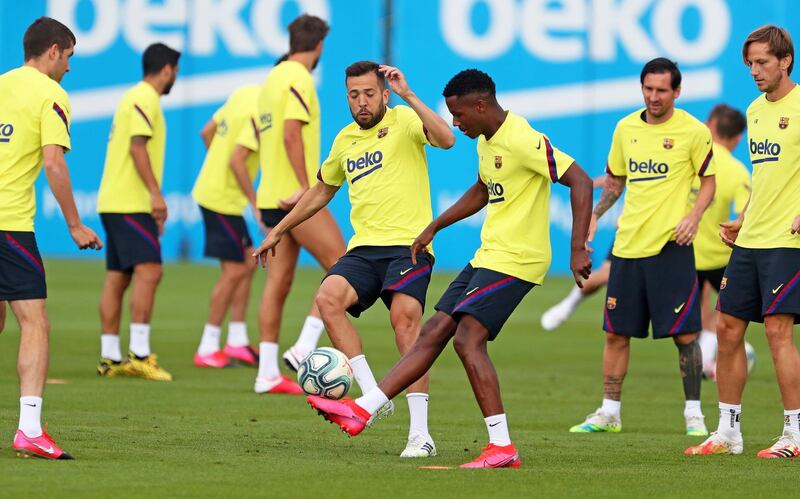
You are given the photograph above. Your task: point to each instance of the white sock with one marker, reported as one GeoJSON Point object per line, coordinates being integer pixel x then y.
{"type": "Point", "coordinates": [109, 347]}
{"type": "Point", "coordinates": [730, 419]}
{"type": "Point", "coordinates": [791, 421]}
{"type": "Point", "coordinates": [140, 339]}
{"type": "Point", "coordinates": [30, 416]}
{"type": "Point", "coordinates": [363, 374]}
{"type": "Point", "coordinates": [498, 430]}
{"type": "Point", "coordinates": [418, 411]}
{"type": "Point", "coordinates": [611, 407]}
{"type": "Point", "coordinates": [693, 408]}
{"type": "Point", "coordinates": [268, 360]}
{"type": "Point", "coordinates": [209, 343]}
{"type": "Point", "coordinates": [309, 335]}
{"type": "Point", "coordinates": [573, 298]}
{"type": "Point", "coordinates": [708, 346]}
{"type": "Point", "coordinates": [237, 334]}
{"type": "Point", "coordinates": [372, 400]}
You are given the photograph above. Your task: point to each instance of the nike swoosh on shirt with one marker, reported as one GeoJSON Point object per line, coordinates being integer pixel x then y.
{"type": "Point", "coordinates": [49, 450]}
{"type": "Point", "coordinates": [679, 307]}
{"type": "Point", "coordinates": [404, 272]}
{"type": "Point", "coordinates": [540, 144]}
{"type": "Point", "coordinates": [471, 291]}
{"type": "Point", "coordinates": [777, 289]}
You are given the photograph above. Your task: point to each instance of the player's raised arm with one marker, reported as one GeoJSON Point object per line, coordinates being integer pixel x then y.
{"type": "Point", "coordinates": [580, 194]}
{"type": "Point", "coordinates": [439, 132]}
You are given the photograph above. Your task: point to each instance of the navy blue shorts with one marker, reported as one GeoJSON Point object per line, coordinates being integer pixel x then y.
{"type": "Point", "coordinates": [661, 289]}
{"type": "Point", "coordinates": [227, 237]}
{"type": "Point", "coordinates": [713, 277]}
{"type": "Point", "coordinates": [273, 216]}
{"type": "Point", "coordinates": [380, 271]}
{"type": "Point", "coordinates": [131, 239]}
{"type": "Point", "coordinates": [488, 296]}
{"type": "Point", "coordinates": [761, 282]}
{"type": "Point", "coordinates": [21, 270]}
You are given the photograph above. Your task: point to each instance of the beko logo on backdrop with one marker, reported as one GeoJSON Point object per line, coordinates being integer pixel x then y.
{"type": "Point", "coordinates": [193, 26]}
{"type": "Point", "coordinates": [574, 30]}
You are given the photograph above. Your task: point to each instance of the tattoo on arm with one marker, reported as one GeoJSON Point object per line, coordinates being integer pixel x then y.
{"type": "Point", "coordinates": [612, 387]}
{"type": "Point", "coordinates": [612, 190]}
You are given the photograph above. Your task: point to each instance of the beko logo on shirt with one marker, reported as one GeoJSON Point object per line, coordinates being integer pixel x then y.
{"type": "Point", "coordinates": [772, 150]}
{"type": "Point", "coordinates": [496, 191]}
{"type": "Point", "coordinates": [648, 166]}
{"type": "Point", "coordinates": [365, 164]}
{"type": "Point", "coordinates": [6, 131]}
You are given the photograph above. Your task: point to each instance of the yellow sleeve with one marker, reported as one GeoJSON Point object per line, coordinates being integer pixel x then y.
{"type": "Point", "coordinates": [331, 171]}
{"type": "Point", "coordinates": [413, 127]}
{"type": "Point", "coordinates": [249, 135]}
{"type": "Point", "coordinates": [142, 117]}
{"type": "Point", "coordinates": [742, 194]}
{"type": "Point", "coordinates": [616, 159]}
{"type": "Point", "coordinates": [545, 159]}
{"type": "Point", "coordinates": [702, 154]}
{"type": "Point", "coordinates": [300, 94]}
{"type": "Point", "coordinates": [217, 116]}
{"type": "Point", "coordinates": [55, 119]}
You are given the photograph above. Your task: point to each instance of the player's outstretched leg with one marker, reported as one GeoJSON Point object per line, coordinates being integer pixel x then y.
{"type": "Point", "coordinates": [615, 365]}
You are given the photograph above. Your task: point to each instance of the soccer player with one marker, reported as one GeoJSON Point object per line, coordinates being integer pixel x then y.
{"type": "Point", "coordinates": [35, 132]}
{"type": "Point", "coordinates": [289, 121]}
{"type": "Point", "coordinates": [656, 153]}
{"type": "Point", "coordinates": [133, 212]}
{"type": "Point", "coordinates": [223, 190]}
{"type": "Point", "coordinates": [762, 277]}
{"type": "Point", "coordinates": [516, 166]}
{"type": "Point", "coordinates": [381, 157]}
{"type": "Point", "coordinates": [733, 190]}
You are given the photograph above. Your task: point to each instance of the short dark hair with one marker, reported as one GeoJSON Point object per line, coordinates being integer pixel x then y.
{"type": "Point", "coordinates": [361, 68]}
{"type": "Point", "coordinates": [469, 81]}
{"type": "Point", "coordinates": [283, 58]}
{"type": "Point", "coordinates": [158, 55]}
{"type": "Point", "coordinates": [42, 34]}
{"type": "Point", "coordinates": [730, 122]}
{"type": "Point", "coordinates": [661, 65]}
{"type": "Point", "coordinates": [306, 32]}
{"type": "Point", "coordinates": [778, 39]}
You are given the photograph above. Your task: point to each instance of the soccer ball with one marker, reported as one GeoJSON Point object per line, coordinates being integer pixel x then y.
{"type": "Point", "coordinates": [325, 372]}
{"type": "Point", "coordinates": [750, 353]}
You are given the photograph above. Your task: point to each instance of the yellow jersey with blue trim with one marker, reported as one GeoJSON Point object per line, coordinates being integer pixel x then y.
{"type": "Point", "coordinates": [517, 165]}
{"type": "Point", "coordinates": [660, 162]}
{"type": "Point", "coordinates": [287, 94]}
{"type": "Point", "coordinates": [35, 113]}
{"type": "Point", "coordinates": [773, 132]}
{"type": "Point", "coordinates": [139, 114]}
{"type": "Point", "coordinates": [216, 187]}
{"type": "Point", "coordinates": [733, 191]}
{"type": "Point", "coordinates": [386, 172]}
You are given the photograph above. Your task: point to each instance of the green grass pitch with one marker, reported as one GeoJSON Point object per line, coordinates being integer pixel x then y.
{"type": "Point", "coordinates": [208, 434]}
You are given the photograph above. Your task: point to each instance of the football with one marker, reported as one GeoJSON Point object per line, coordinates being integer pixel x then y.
{"type": "Point", "coordinates": [750, 352]}
{"type": "Point", "coordinates": [325, 372]}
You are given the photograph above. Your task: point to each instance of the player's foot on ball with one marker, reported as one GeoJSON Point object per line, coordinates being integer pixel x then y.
{"type": "Point", "coordinates": [110, 368]}
{"type": "Point", "coordinates": [293, 358]}
{"type": "Point", "coordinates": [216, 359]}
{"type": "Point", "coordinates": [146, 368]}
{"type": "Point", "coordinates": [279, 385]}
{"type": "Point", "coordinates": [384, 412]}
{"type": "Point", "coordinates": [717, 443]}
{"type": "Point", "coordinates": [696, 426]}
{"type": "Point", "coordinates": [556, 315]}
{"type": "Point", "coordinates": [419, 445]}
{"type": "Point", "coordinates": [244, 355]}
{"type": "Point", "coordinates": [349, 416]}
{"type": "Point", "coordinates": [495, 456]}
{"type": "Point", "coordinates": [785, 446]}
{"type": "Point", "coordinates": [599, 422]}
{"type": "Point", "coordinates": [41, 446]}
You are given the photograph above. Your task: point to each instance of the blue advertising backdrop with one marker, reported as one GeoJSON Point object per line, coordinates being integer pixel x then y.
{"type": "Point", "coordinates": [569, 66]}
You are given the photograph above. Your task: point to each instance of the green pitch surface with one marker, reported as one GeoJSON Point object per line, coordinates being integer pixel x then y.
{"type": "Point", "coordinates": [208, 434]}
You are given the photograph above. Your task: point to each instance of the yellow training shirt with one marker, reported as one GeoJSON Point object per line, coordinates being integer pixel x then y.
{"type": "Point", "coordinates": [34, 112]}
{"type": "Point", "coordinates": [773, 130]}
{"type": "Point", "coordinates": [138, 115]}
{"type": "Point", "coordinates": [216, 187]}
{"type": "Point", "coordinates": [660, 163]}
{"type": "Point", "coordinates": [387, 178]}
{"type": "Point", "coordinates": [287, 94]}
{"type": "Point", "coordinates": [733, 189]}
{"type": "Point", "coordinates": [517, 165]}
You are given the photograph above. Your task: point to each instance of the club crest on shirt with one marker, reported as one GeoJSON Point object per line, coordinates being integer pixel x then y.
{"type": "Point", "coordinates": [723, 283]}
{"type": "Point", "coordinates": [498, 162]}
{"type": "Point", "coordinates": [668, 143]}
{"type": "Point", "coordinates": [383, 132]}
{"type": "Point", "coordinates": [611, 303]}
{"type": "Point", "coordinates": [783, 122]}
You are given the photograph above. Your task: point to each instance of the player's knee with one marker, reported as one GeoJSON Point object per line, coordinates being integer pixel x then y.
{"type": "Point", "coordinates": [437, 330]}
{"type": "Point", "coordinates": [778, 334]}
{"type": "Point", "coordinates": [328, 302]}
{"type": "Point", "coordinates": [149, 274]}
{"type": "Point", "coordinates": [617, 340]}
{"type": "Point", "coordinates": [405, 322]}
{"type": "Point", "coordinates": [466, 345]}
{"type": "Point", "coordinates": [684, 339]}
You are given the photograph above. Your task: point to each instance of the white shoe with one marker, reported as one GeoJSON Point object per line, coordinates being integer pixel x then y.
{"type": "Point", "coordinates": [419, 445]}
{"type": "Point", "coordinates": [384, 412]}
{"type": "Point", "coordinates": [717, 443]}
{"type": "Point", "coordinates": [263, 385]}
{"type": "Point", "coordinates": [293, 358]}
{"type": "Point", "coordinates": [696, 425]}
{"type": "Point", "coordinates": [599, 422]}
{"type": "Point", "coordinates": [556, 315]}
